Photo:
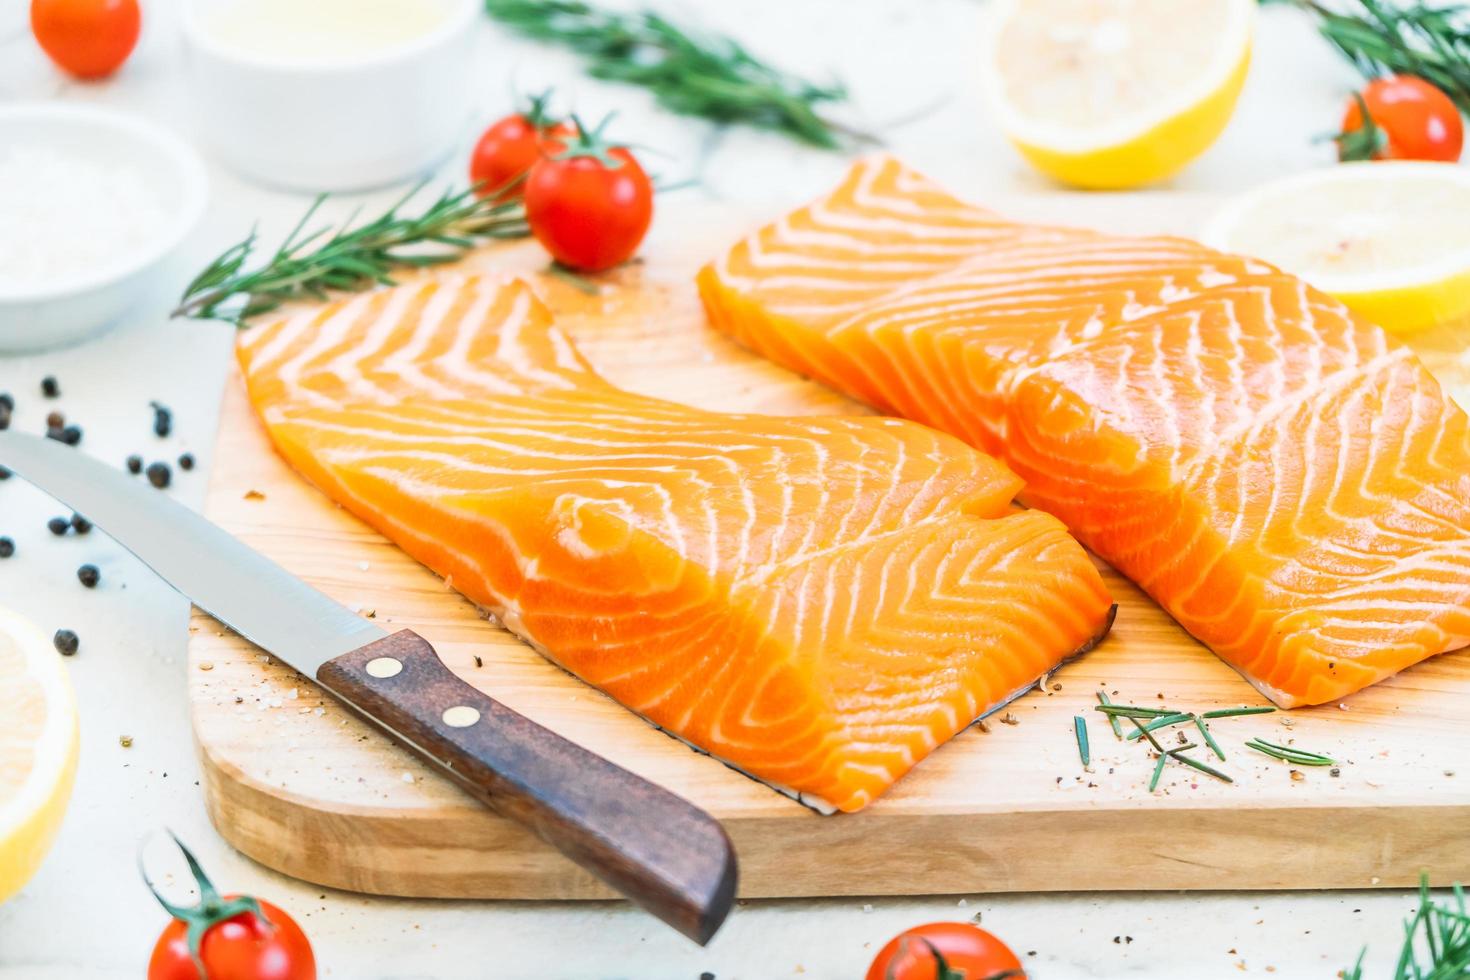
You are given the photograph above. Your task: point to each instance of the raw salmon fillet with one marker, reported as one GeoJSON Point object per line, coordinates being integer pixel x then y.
{"type": "Point", "coordinates": [1282, 477]}
{"type": "Point", "coordinates": [819, 602]}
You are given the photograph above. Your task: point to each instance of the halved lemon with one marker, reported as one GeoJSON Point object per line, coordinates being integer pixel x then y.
{"type": "Point", "coordinates": [1116, 93]}
{"type": "Point", "coordinates": [1389, 239]}
{"type": "Point", "coordinates": [38, 749]}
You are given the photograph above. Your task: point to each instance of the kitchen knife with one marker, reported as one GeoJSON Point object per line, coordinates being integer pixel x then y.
{"type": "Point", "coordinates": [662, 852]}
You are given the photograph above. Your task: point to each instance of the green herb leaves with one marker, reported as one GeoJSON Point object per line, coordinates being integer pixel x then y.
{"type": "Point", "coordinates": [711, 77]}
{"type": "Point", "coordinates": [349, 258]}
{"type": "Point", "coordinates": [1409, 38]}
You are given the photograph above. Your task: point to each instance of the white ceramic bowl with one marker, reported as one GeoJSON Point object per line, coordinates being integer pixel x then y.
{"type": "Point", "coordinates": [62, 310]}
{"type": "Point", "coordinates": [338, 124]}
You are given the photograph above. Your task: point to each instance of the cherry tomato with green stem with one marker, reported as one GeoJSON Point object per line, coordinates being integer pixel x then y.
{"type": "Point", "coordinates": [589, 204]}
{"type": "Point", "coordinates": [945, 951]}
{"type": "Point", "coordinates": [228, 937]}
{"type": "Point", "coordinates": [512, 145]}
{"type": "Point", "coordinates": [1407, 118]}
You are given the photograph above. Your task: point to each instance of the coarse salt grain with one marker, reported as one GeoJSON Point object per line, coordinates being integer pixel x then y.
{"type": "Point", "coordinates": [68, 214]}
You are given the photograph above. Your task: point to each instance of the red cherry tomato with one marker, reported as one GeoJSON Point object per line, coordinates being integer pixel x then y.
{"type": "Point", "coordinates": [242, 947]}
{"type": "Point", "coordinates": [590, 205]}
{"type": "Point", "coordinates": [1410, 120]}
{"type": "Point", "coordinates": [964, 952]}
{"type": "Point", "coordinates": [87, 38]}
{"type": "Point", "coordinates": [509, 148]}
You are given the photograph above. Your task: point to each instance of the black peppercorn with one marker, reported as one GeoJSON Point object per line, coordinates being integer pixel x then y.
{"type": "Point", "coordinates": [135, 465]}
{"type": "Point", "coordinates": [4, 473]}
{"type": "Point", "coordinates": [55, 420]}
{"type": "Point", "coordinates": [49, 387]}
{"type": "Point", "coordinates": [58, 526]}
{"type": "Point", "coordinates": [89, 576]}
{"type": "Point", "coordinates": [4, 418]}
{"type": "Point", "coordinates": [159, 475]}
{"type": "Point", "coordinates": [72, 435]}
{"type": "Point", "coordinates": [7, 401]}
{"type": "Point", "coordinates": [163, 420]}
{"type": "Point", "coordinates": [186, 461]}
{"type": "Point", "coordinates": [67, 643]}
{"type": "Point", "coordinates": [7, 547]}
{"type": "Point", "coordinates": [80, 524]}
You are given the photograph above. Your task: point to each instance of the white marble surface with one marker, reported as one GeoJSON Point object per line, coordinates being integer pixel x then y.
{"type": "Point", "coordinates": [86, 915]}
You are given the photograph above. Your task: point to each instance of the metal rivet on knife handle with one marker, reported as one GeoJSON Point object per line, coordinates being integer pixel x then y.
{"type": "Point", "coordinates": [383, 667]}
{"type": "Point", "coordinates": [460, 716]}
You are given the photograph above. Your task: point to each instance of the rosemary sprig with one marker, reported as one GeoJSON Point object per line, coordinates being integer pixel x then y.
{"type": "Point", "coordinates": [1106, 702]}
{"type": "Point", "coordinates": [349, 258]}
{"type": "Point", "coordinates": [712, 77]}
{"type": "Point", "coordinates": [1288, 754]}
{"type": "Point", "coordinates": [1079, 726]}
{"type": "Point", "coordinates": [1441, 931]}
{"type": "Point", "coordinates": [1431, 41]}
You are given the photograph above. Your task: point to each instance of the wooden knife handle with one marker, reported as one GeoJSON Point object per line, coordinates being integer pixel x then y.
{"type": "Point", "coordinates": [662, 852]}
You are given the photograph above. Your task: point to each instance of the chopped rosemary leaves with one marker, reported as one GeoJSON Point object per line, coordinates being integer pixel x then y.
{"type": "Point", "coordinates": [1133, 711]}
{"type": "Point", "coordinates": [1288, 754]}
{"type": "Point", "coordinates": [1102, 698]}
{"type": "Point", "coordinates": [1233, 712]}
{"type": "Point", "coordinates": [1146, 733]}
{"type": "Point", "coordinates": [1200, 765]}
{"type": "Point", "coordinates": [1079, 726]}
{"type": "Point", "coordinates": [1153, 783]}
{"type": "Point", "coordinates": [1177, 718]}
{"type": "Point", "coordinates": [1209, 739]}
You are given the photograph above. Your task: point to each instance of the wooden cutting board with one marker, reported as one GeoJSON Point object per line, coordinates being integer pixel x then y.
{"type": "Point", "coordinates": [294, 781]}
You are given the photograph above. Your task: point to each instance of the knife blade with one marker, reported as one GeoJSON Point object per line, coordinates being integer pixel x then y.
{"type": "Point", "coordinates": [657, 849]}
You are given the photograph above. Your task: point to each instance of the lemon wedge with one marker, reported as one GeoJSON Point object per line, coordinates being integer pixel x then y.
{"type": "Point", "coordinates": [38, 749]}
{"type": "Point", "coordinates": [1116, 93]}
{"type": "Point", "coordinates": [1389, 239]}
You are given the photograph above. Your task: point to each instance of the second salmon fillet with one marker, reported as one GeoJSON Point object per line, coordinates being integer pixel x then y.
{"type": "Point", "coordinates": [818, 601]}
{"type": "Point", "coordinates": [1288, 482]}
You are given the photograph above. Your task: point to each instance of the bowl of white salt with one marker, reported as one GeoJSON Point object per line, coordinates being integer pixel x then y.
{"type": "Point", "coordinates": [93, 204]}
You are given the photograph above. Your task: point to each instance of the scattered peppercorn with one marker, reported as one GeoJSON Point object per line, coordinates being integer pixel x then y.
{"type": "Point", "coordinates": [67, 643]}
{"type": "Point", "coordinates": [160, 475]}
{"type": "Point", "coordinates": [186, 461]}
{"type": "Point", "coordinates": [71, 435]}
{"type": "Point", "coordinates": [50, 388]}
{"type": "Point", "coordinates": [4, 418]}
{"type": "Point", "coordinates": [7, 547]}
{"type": "Point", "coordinates": [89, 576]}
{"type": "Point", "coordinates": [7, 402]}
{"type": "Point", "coordinates": [55, 420]}
{"type": "Point", "coordinates": [58, 526]}
{"type": "Point", "coordinates": [80, 524]}
{"type": "Point", "coordinates": [135, 465]}
{"type": "Point", "coordinates": [4, 473]}
{"type": "Point", "coordinates": [163, 420]}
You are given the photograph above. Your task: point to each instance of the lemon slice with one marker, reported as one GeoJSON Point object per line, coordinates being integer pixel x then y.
{"type": "Point", "coordinates": [1116, 93]}
{"type": "Point", "coordinates": [38, 749]}
{"type": "Point", "coordinates": [1388, 239]}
